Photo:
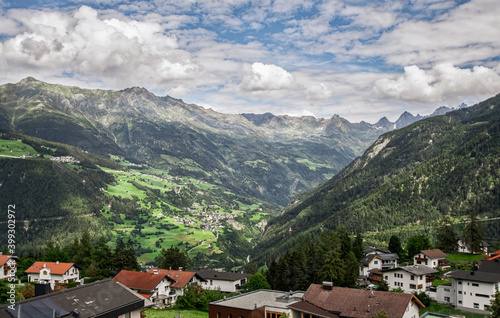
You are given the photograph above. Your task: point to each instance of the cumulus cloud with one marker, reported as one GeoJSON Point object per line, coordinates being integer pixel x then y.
{"type": "Point", "coordinates": [318, 92]}
{"type": "Point", "coordinates": [265, 77]}
{"type": "Point", "coordinates": [442, 82]}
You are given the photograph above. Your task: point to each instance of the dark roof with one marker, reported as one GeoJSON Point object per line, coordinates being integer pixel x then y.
{"type": "Point", "coordinates": [490, 266]}
{"type": "Point", "coordinates": [368, 259]}
{"type": "Point", "coordinates": [389, 256]}
{"type": "Point", "coordinates": [371, 249]}
{"type": "Point", "coordinates": [230, 276]}
{"type": "Point", "coordinates": [414, 269]}
{"type": "Point", "coordinates": [476, 276]}
{"type": "Point", "coordinates": [105, 298]}
{"type": "Point", "coordinates": [348, 302]}
{"type": "Point", "coordinates": [304, 306]}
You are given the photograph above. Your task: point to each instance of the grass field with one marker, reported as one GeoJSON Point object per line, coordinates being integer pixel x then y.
{"type": "Point", "coordinates": [171, 313]}
{"type": "Point", "coordinates": [15, 148]}
{"type": "Point", "coordinates": [464, 257]}
{"type": "Point", "coordinates": [446, 310]}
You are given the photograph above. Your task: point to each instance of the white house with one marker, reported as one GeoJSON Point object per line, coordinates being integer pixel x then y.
{"type": "Point", "coordinates": [472, 290]}
{"type": "Point", "coordinates": [369, 262]}
{"type": "Point", "coordinates": [53, 273]}
{"type": "Point", "coordinates": [153, 286]}
{"type": "Point", "coordinates": [431, 258]}
{"type": "Point", "coordinates": [180, 279]}
{"type": "Point", "coordinates": [7, 266]}
{"type": "Point", "coordinates": [462, 248]}
{"type": "Point", "coordinates": [228, 282]}
{"type": "Point", "coordinates": [413, 278]}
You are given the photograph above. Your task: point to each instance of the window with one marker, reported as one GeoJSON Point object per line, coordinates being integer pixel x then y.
{"type": "Point", "coordinates": [446, 289]}
{"type": "Point", "coordinates": [447, 299]}
{"type": "Point", "coordinates": [459, 283]}
{"type": "Point", "coordinates": [375, 262]}
{"type": "Point", "coordinates": [230, 316]}
{"type": "Point", "coordinates": [460, 302]}
{"type": "Point", "coordinates": [218, 314]}
{"type": "Point", "coordinates": [475, 285]}
{"type": "Point", "coordinates": [412, 277]}
{"type": "Point", "coordinates": [413, 286]}
{"type": "Point", "coordinates": [386, 277]}
{"type": "Point", "coordinates": [476, 305]}
{"type": "Point", "coordinates": [460, 292]}
{"type": "Point", "coordinates": [482, 295]}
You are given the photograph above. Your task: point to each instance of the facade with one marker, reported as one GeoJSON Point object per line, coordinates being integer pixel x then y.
{"type": "Point", "coordinates": [369, 262]}
{"type": "Point", "coordinates": [472, 290]}
{"type": "Point", "coordinates": [257, 304]}
{"type": "Point", "coordinates": [53, 273]}
{"type": "Point", "coordinates": [104, 298]}
{"type": "Point", "coordinates": [228, 282]}
{"type": "Point", "coordinates": [180, 279]}
{"type": "Point", "coordinates": [462, 248]}
{"type": "Point", "coordinates": [413, 278]}
{"type": "Point", "coordinates": [7, 265]}
{"type": "Point", "coordinates": [326, 301]}
{"type": "Point", "coordinates": [431, 258]}
{"type": "Point", "coordinates": [389, 260]}
{"type": "Point", "coordinates": [152, 286]}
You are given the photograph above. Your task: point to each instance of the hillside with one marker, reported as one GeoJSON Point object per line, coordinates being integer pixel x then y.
{"type": "Point", "coordinates": [268, 161]}
{"type": "Point", "coordinates": [408, 179]}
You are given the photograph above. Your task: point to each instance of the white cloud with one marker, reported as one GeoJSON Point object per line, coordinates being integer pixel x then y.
{"type": "Point", "coordinates": [264, 77]}
{"type": "Point", "coordinates": [439, 84]}
{"type": "Point", "coordinates": [318, 92]}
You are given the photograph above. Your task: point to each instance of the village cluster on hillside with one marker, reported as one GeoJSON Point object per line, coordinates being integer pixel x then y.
{"type": "Point", "coordinates": [469, 290]}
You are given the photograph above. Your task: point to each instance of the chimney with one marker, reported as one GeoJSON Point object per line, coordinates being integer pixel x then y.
{"type": "Point", "coordinates": [327, 285]}
{"type": "Point", "coordinates": [170, 268]}
{"type": "Point", "coordinates": [368, 309]}
{"type": "Point", "coordinates": [155, 272]}
{"type": "Point", "coordinates": [180, 268]}
{"type": "Point", "coordinates": [372, 294]}
{"type": "Point", "coordinates": [57, 262]}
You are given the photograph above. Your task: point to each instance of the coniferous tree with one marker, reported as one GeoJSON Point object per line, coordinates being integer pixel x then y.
{"type": "Point", "coordinates": [255, 282]}
{"type": "Point", "coordinates": [357, 246]}
{"type": "Point", "coordinates": [173, 258]}
{"type": "Point", "coordinates": [395, 245]}
{"type": "Point", "coordinates": [351, 271]}
{"type": "Point", "coordinates": [416, 243]}
{"type": "Point", "coordinates": [446, 237]}
{"type": "Point", "coordinates": [102, 257]}
{"type": "Point", "coordinates": [473, 234]}
{"type": "Point", "coordinates": [495, 304]}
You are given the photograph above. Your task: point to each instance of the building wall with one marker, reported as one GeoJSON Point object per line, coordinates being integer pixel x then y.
{"type": "Point", "coordinates": [472, 295]}
{"type": "Point", "coordinates": [224, 285]}
{"type": "Point", "coordinates": [4, 269]}
{"type": "Point", "coordinates": [403, 279]}
{"type": "Point", "coordinates": [429, 262]}
{"type": "Point", "coordinates": [216, 311]}
{"type": "Point", "coordinates": [412, 311]}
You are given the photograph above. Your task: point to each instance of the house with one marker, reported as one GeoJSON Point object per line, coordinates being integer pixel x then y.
{"type": "Point", "coordinates": [7, 266]}
{"type": "Point", "coordinates": [373, 250]}
{"type": "Point", "coordinates": [389, 260]}
{"type": "Point", "coordinates": [53, 273]}
{"type": "Point", "coordinates": [256, 304]}
{"type": "Point", "coordinates": [180, 280]}
{"type": "Point", "coordinates": [153, 286]}
{"type": "Point", "coordinates": [326, 301]}
{"type": "Point", "coordinates": [228, 282]}
{"type": "Point", "coordinates": [369, 262]}
{"type": "Point", "coordinates": [462, 248]}
{"type": "Point", "coordinates": [471, 290]}
{"type": "Point", "coordinates": [413, 278]}
{"type": "Point", "coordinates": [431, 258]}
{"type": "Point", "coordinates": [105, 298]}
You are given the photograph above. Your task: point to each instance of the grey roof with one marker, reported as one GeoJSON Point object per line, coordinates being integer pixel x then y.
{"type": "Point", "coordinates": [476, 276]}
{"type": "Point", "coordinates": [105, 298]}
{"type": "Point", "coordinates": [490, 266]}
{"type": "Point", "coordinates": [368, 259]}
{"type": "Point", "coordinates": [389, 256]}
{"type": "Point", "coordinates": [414, 269]}
{"type": "Point", "coordinates": [230, 276]}
{"type": "Point", "coordinates": [260, 298]}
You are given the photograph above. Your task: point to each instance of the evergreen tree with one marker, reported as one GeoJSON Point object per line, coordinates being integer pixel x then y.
{"type": "Point", "coordinates": [351, 271]}
{"type": "Point", "coordinates": [131, 263]}
{"type": "Point", "coordinates": [446, 237]}
{"type": "Point", "coordinates": [173, 258]}
{"type": "Point", "coordinates": [345, 242]}
{"type": "Point", "coordinates": [102, 257]}
{"type": "Point", "coordinates": [473, 234]}
{"type": "Point", "coordinates": [332, 269]}
{"type": "Point", "coordinates": [357, 246]}
{"type": "Point", "coordinates": [84, 253]}
{"type": "Point", "coordinates": [395, 246]}
{"type": "Point", "coordinates": [53, 253]}
{"type": "Point", "coordinates": [495, 305]}
{"type": "Point", "coordinates": [383, 285]}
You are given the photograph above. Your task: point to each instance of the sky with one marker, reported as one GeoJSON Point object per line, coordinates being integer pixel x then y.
{"type": "Point", "coordinates": [359, 59]}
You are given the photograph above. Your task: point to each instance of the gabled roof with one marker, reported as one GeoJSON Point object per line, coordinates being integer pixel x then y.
{"type": "Point", "coordinates": [349, 302]}
{"type": "Point", "coordinates": [56, 268]}
{"type": "Point", "coordinates": [434, 253]}
{"type": "Point", "coordinates": [5, 258]}
{"type": "Point", "coordinates": [414, 269]}
{"type": "Point", "coordinates": [179, 278]}
{"type": "Point", "coordinates": [490, 266]}
{"type": "Point", "coordinates": [104, 298]}
{"type": "Point", "coordinates": [139, 280]}
{"type": "Point", "coordinates": [368, 259]}
{"type": "Point", "coordinates": [389, 256]}
{"type": "Point", "coordinates": [216, 275]}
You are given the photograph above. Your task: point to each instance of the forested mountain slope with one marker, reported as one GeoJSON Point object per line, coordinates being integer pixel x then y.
{"type": "Point", "coordinates": [268, 162]}
{"type": "Point", "coordinates": [444, 165]}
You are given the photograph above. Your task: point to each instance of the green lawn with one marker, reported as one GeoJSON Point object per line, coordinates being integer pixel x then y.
{"type": "Point", "coordinates": [15, 148]}
{"type": "Point", "coordinates": [464, 257]}
{"type": "Point", "coordinates": [171, 313]}
{"type": "Point", "coordinates": [446, 310]}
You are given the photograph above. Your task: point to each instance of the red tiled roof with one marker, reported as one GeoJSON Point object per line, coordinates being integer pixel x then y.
{"type": "Point", "coordinates": [494, 255]}
{"type": "Point", "coordinates": [56, 268]}
{"type": "Point", "coordinates": [435, 253]}
{"type": "Point", "coordinates": [350, 302]}
{"type": "Point", "coordinates": [4, 259]}
{"type": "Point", "coordinates": [181, 278]}
{"type": "Point", "coordinates": [138, 280]}
{"type": "Point", "coordinates": [146, 295]}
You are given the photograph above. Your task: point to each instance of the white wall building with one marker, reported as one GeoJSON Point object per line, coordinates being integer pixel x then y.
{"type": "Point", "coordinates": [7, 266]}
{"type": "Point", "coordinates": [369, 262]}
{"type": "Point", "coordinates": [431, 258]}
{"type": "Point", "coordinates": [53, 273]}
{"type": "Point", "coordinates": [228, 282]}
{"type": "Point", "coordinates": [413, 278]}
